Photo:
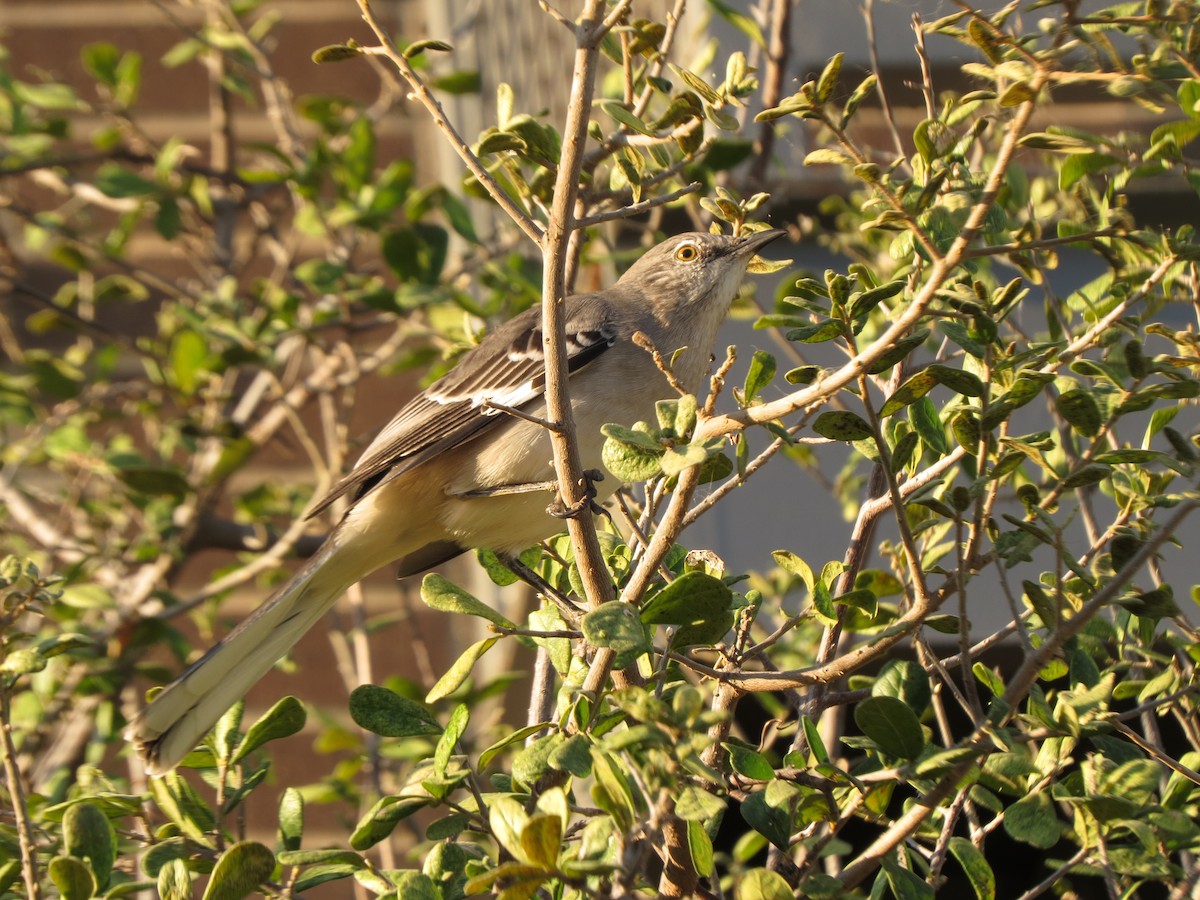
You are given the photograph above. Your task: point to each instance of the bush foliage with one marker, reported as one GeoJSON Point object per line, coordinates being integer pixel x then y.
{"type": "Point", "coordinates": [894, 757]}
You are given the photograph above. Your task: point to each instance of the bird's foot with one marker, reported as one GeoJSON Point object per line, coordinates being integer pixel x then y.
{"type": "Point", "coordinates": [586, 504]}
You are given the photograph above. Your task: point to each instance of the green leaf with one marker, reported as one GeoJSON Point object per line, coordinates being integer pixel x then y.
{"type": "Point", "coordinates": [680, 413]}
{"type": "Point", "coordinates": [842, 425]}
{"type": "Point", "coordinates": [499, 142]}
{"type": "Point", "coordinates": [120, 183]}
{"type": "Point", "coordinates": [739, 20]}
{"type": "Point", "coordinates": [573, 755]}
{"type": "Point", "coordinates": [285, 718]}
{"type": "Point", "coordinates": [928, 425]}
{"type": "Point", "coordinates": [698, 805]}
{"type": "Point", "coordinates": [976, 867]}
{"type": "Point", "coordinates": [1079, 165]}
{"type": "Point", "coordinates": [615, 625]}
{"type": "Point", "coordinates": [692, 597]}
{"type": "Point", "coordinates": [387, 714]}
{"type": "Point", "coordinates": [455, 727]}
{"type": "Point", "coordinates": [749, 763]}
{"type": "Point", "coordinates": [703, 633]}
{"type": "Point", "coordinates": [416, 48]}
{"type": "Point", "coordinates": [548, 619]}
{"type": "Point", "coordinates": [829, 77]}
{"type": "Point", "coordinates": [459, 217]}
{"type": "Point", "coordinates": [1079, 409]}
{"type": "Point", "coordinates": [611, 790]}
{"type": "Point", "coordinates": [861, 304]}
{"type": "Point", "coordinates": [413, 885]}
{"type": "Point", "coordinates": [634, 437]}
{"type": "Point", "coordinates": [157, 481]}
{"type": "Point", "coordinates": [73, 878]}
{"type": "Point", "coordinates": [624, 117]}
{"type": "Point", "coordinates": [540, 839]}
{"type": "Point", "coordinates": [905, 884]}
{"type": "Point", "coordinates": [794, 565]}
{"type": "Point", "coordinates": [336, 53]}
{"type": "Point", "coordinates": [816, 744]}
{"type": "Point", "coordinates": [989, 678]}
{"type": "Point", "coordinates": [898, 351]}
{"type": "Point", "coordinates": [818, 333]}
{"type": "Point", "coordinates": [174, 881]}
{"type": "Point", "coordinates": [676, 459]}
{"type": "Point", "coordinates": [1156, 604]}
{"type": "Point", "coordinates": [762, 884]}
{"type": "Point", "coordinates": [762, 370]}
{"type": "Point", "coordinates": [460, 670]}
{"type": "Point", "coordinates": [1017, 93]}
{"type": "Point", "coordinates": [447, 827]}
{"type": "Point", "coordinates": [932, 139]}
{"type": "Point", "coordinates": [508, 819]}
{"type": "Point", "coordinates": [892, 725]}
{"type": "Point", "coordinates": [383, 817]}
{"type": "Point", "coordinates": [442, 594]}
{"type": "Point", "coordinates": [88, 834]}
{"type": "Point", "coordinates": [1032, 820]}
{"type": "Point", "coordinates": [905, 680]}
{"type": "Point", "coordinates": [168, 218]}
{"type": "Point", "coordinates": [769, 812]}
{"type": "Point", "coordinates": [521, 881]}
{"type": "Point", "coordinates": [239, 871]}
{"type": "Point", "coordinates": [1092, 473]}
{"type": "Point", "coordinates": [416, 252]}
{"type": "Point", "coordinates": [465, 81]}
{"type": "Point", "coordinates": [180, 803]}
{"type": "Point", "coordinates": [321, 857]}
{"type": "Point", "coordinates": [909, 392]}
{"type": "Point", "coordinates": [486, 757]}
{"type": "Point", "coordinates": [701, 849]}
{"type": "Point", "coordinates": [10, 871]}
{"type": "Point", "coordinates": [291, 819]}
{"type": "Point", "coordinates": [906, 447]}
{"type": "Point", "coordinates": [631, 459]}
{"type": "Point", "coordinates": [1130, 456]}
{"type": "Point", "coordinates": [827, 156]}
{"type": "Point", "coordinates": [100, 60]}
{"type": "Point", "coordinates": [496, 570]}
{"type": "Point", "coordinates": [958, 380]}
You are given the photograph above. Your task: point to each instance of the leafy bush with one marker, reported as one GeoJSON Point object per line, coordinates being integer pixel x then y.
{"type": "Point", "coordinates": [887, 760]}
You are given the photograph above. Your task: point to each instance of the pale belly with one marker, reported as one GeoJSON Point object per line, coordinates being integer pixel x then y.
{"type": "Point", "coordinates": [521, 455]}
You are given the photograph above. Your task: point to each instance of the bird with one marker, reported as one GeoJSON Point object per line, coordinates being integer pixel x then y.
{"type": "Point", "coordinates": [466, 463]}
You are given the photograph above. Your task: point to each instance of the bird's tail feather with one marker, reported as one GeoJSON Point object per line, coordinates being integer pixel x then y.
{"type": "Point", "coordinates": [167, 730]}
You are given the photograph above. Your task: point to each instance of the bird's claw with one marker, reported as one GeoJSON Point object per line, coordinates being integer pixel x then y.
{"type": "Point", "coordinates": [587, 503]}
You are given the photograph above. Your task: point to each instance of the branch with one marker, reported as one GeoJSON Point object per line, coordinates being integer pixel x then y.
{"type": "Point", "coordinates": [16, 796]}
{"type": "Point", "coordinates": [422, 93]}
{"type": "Point", "coordinates": [905, 321]}
{"type": "Point", "coordinates": [568, 465]}
{"type": "Point", "coordinates": [636, 209]}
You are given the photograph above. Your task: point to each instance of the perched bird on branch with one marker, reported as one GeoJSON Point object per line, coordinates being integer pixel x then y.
{"type": "Point", "coordinates": [468, 463]}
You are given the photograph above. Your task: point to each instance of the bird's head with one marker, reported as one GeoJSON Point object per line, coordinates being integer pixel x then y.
{"type": "Point", "coordinates": [696, 267]}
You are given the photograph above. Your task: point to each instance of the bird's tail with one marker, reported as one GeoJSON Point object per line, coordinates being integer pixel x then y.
{"type": "Point", "coordinates": [167, 730]}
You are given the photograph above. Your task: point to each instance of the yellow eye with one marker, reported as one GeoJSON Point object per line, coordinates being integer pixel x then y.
{"type": "Point", "coordinates": [687, 253]}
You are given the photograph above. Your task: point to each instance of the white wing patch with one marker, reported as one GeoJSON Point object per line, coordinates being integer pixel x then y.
{"type": "Point", "coordinates": [495, 384]}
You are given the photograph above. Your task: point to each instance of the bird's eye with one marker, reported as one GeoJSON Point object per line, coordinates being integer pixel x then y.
{"type": "Point", "coordinates": [687, 252]}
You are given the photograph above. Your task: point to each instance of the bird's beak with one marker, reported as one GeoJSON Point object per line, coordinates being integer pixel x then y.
{"type": "Point", "coordinates": [752, 243]}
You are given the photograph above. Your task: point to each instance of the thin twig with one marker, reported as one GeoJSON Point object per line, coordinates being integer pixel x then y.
{"type": "Point", "coordinates": [16, 794]}
{"type": "Point", "coordinates": [422, 93]}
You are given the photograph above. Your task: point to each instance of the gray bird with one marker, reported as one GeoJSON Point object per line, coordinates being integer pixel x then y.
{"type": "Point", "coordinates": [444, 475]}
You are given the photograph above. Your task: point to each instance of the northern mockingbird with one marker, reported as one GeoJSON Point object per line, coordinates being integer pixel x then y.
{"type": "Point", "coordinates": [445, 475]}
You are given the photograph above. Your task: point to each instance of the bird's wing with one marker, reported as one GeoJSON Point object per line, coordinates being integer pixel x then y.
{"type": "Point", "coordinates": [507, 368]}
